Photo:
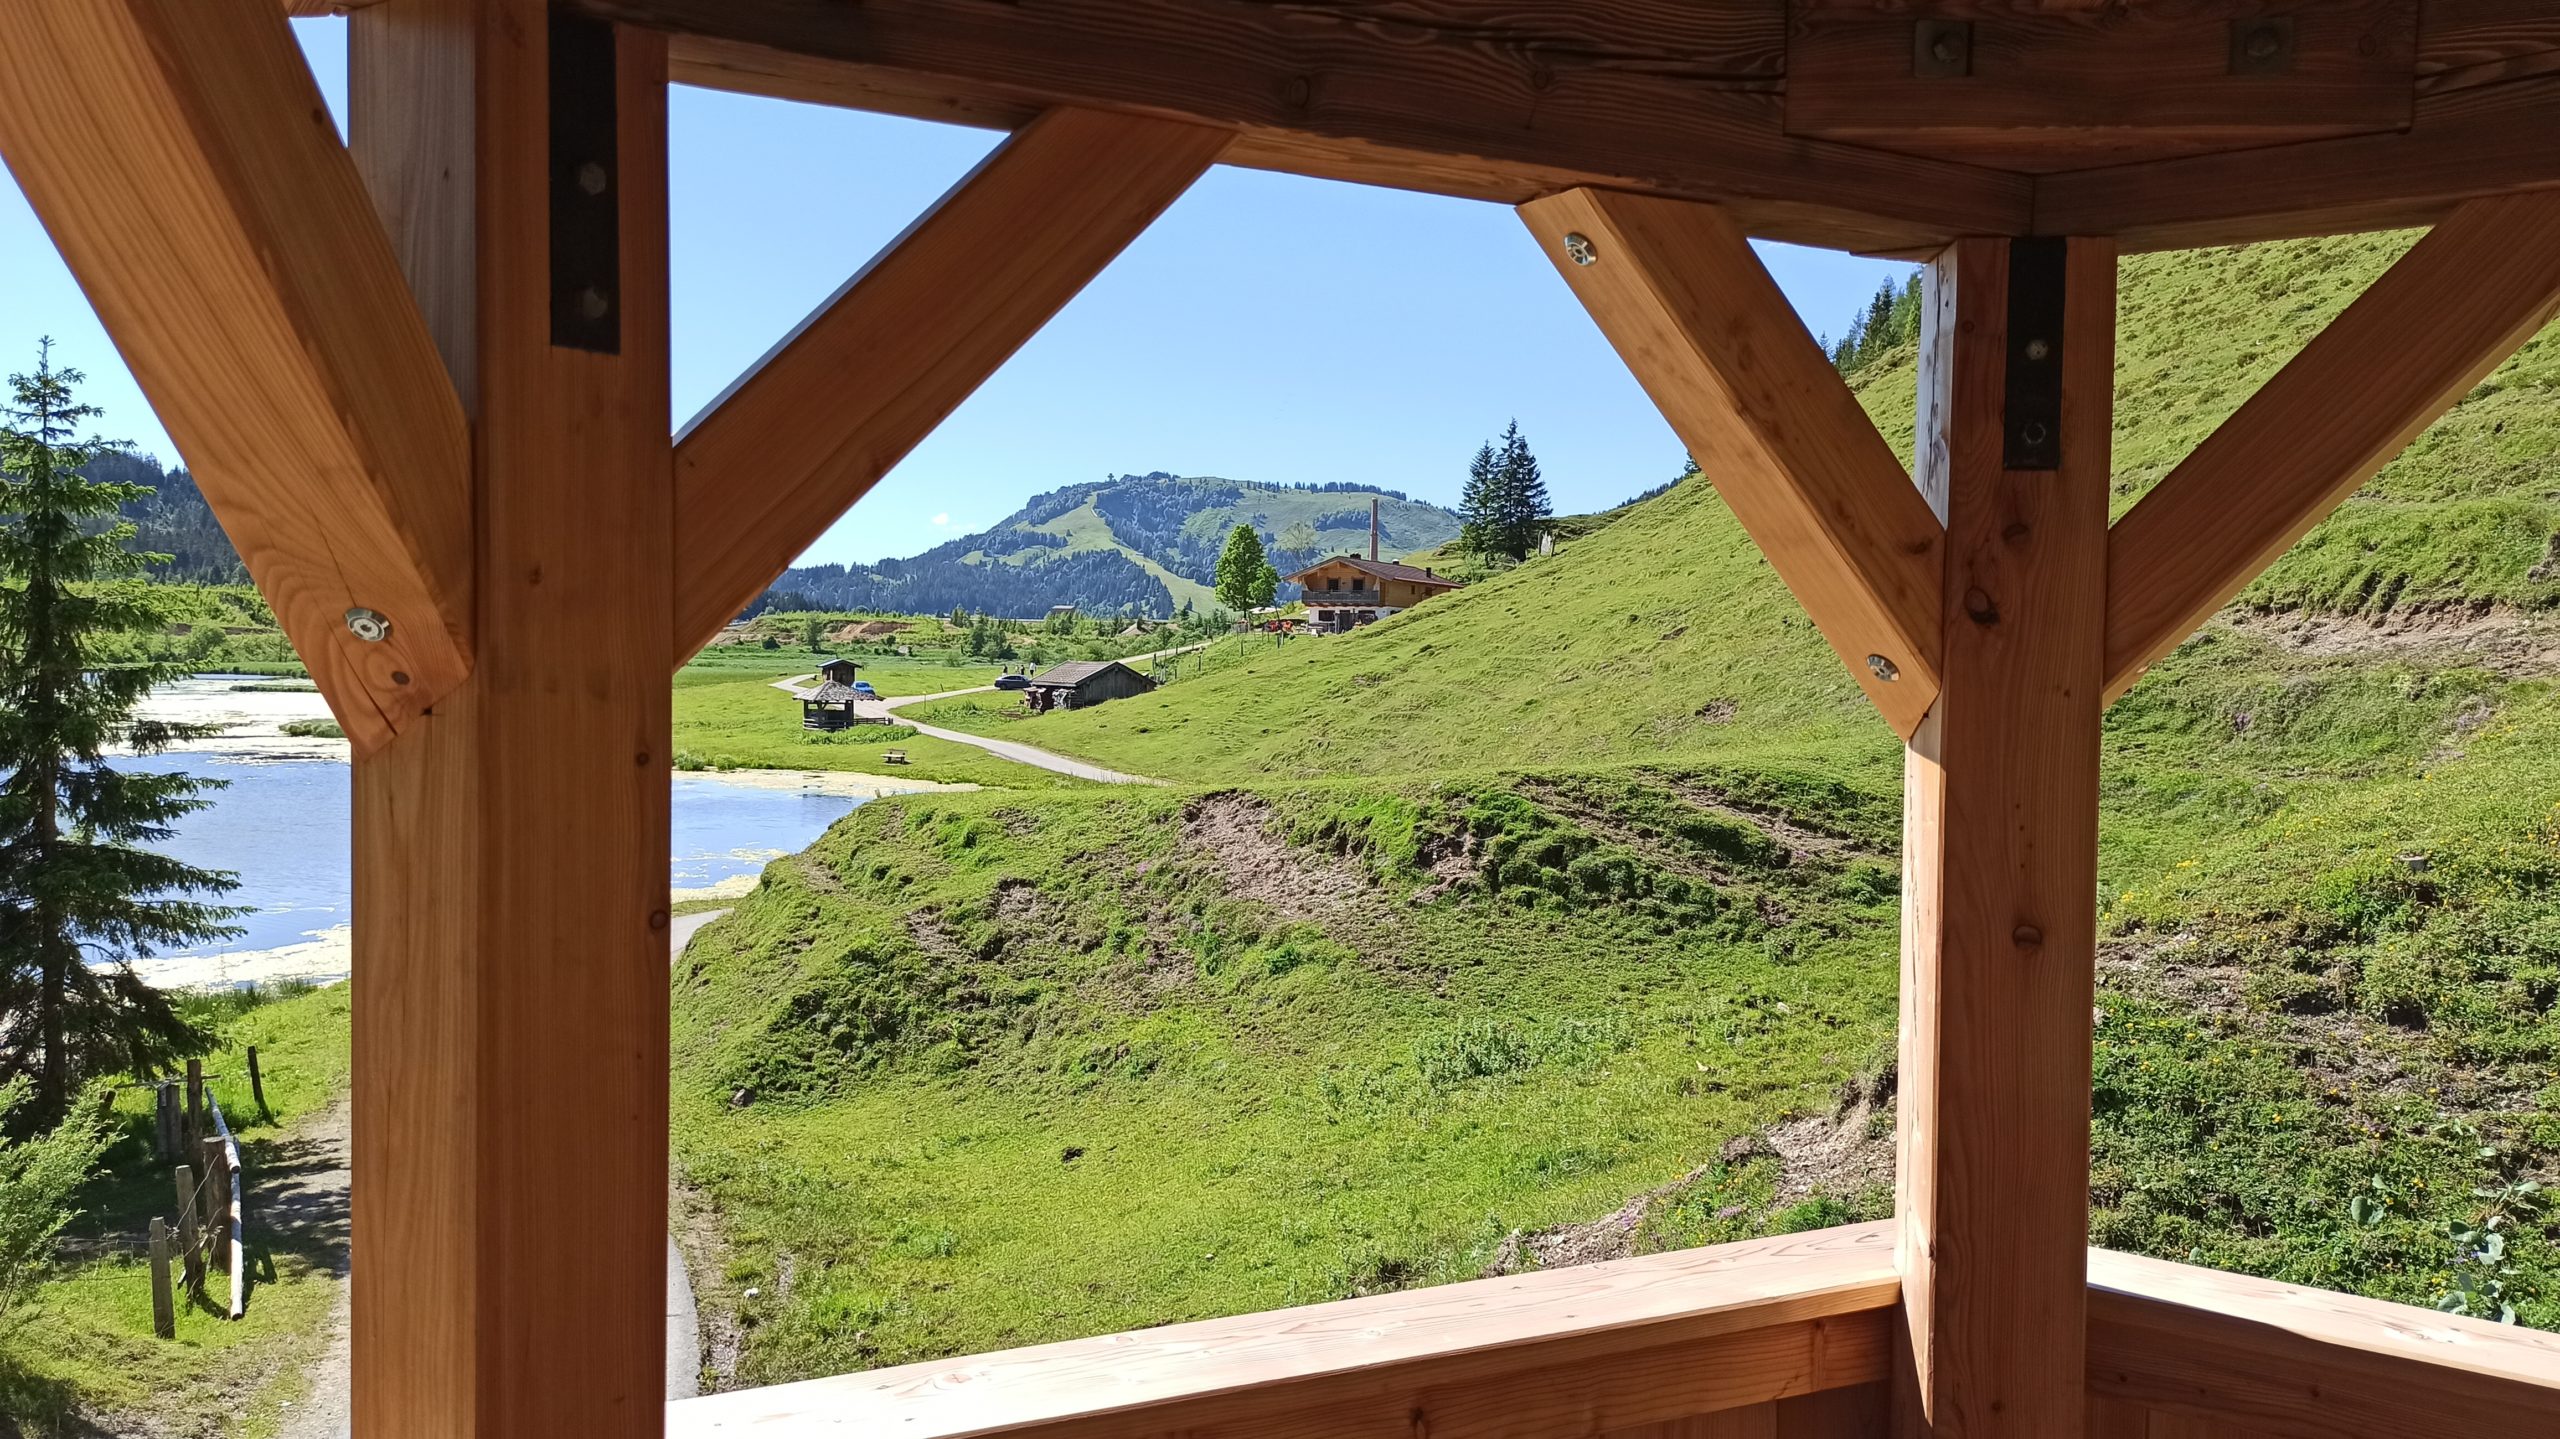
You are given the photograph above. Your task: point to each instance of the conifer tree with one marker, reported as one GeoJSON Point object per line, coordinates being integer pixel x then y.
{"type": "Point", "coordinates": [1479, 506]}
{"type": "Point", "coordinates": [1523, 505]}
{"type": "Point", "coordinates": [80, 896]}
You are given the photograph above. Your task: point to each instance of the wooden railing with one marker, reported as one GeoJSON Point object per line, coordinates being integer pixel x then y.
{"type": "Point", "coordinates": [1795, 1328]}
{"type": "Point", "coordinates": [1786, 1338]}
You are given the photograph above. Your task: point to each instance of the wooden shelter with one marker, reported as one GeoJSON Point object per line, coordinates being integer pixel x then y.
{"type": "Point", "coordinates": [835, 703]}
{"type": "Point", "coordinates": [1077, 684]}
{"type": "Point", "coordinates": [423, 378]}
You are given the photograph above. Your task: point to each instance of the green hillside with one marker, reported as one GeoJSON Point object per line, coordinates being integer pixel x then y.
{"type": "Point", "coordinates": [1555, 919]}
{"type": "Point", "coordinates": [1145, 544]}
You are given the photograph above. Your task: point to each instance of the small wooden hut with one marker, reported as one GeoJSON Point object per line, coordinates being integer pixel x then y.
{"type": "Point", "coordinates": [831, 706]}
{"type": "Point", "coordinates": [1079, 684]}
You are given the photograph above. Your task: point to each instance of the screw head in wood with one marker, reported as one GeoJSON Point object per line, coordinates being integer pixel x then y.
{"type": "Point", "coordinates": [368, 625]}
{"type": "Point", "coordinates": [1578, 248]}
{"type": "Point", "coordinates": [592, 304]}
{"type": "Point", "coordinates": [1883, 669]}
{"type": "Point", "coordinates": [592, 178]}
{"type": "Point", "coordinates": [2038, 349]}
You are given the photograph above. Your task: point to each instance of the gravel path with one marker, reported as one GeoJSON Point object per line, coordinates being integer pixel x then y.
{"type": "Point", "coordinates": [1005, 748]}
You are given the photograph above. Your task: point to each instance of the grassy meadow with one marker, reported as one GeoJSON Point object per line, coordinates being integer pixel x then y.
{"type": "Point", "coordinates": [1555, 918]}
{"type": "Point", "coordinates": [89, 1350]}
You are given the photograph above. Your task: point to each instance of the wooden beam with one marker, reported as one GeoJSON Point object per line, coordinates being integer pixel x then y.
{"type": "Point", "coordinates": [2220, 1351]}
{"type": "Point", "coordinates": [763, 471]}
{"type": "Point", "coordinates": [1503, 101]}
{"type": "Point", "coordinates": [510, 849]}
{"type": "Point", "coordinates": [2000, 826]}
{"type": "Point", "coordinates": [2460, 145]}
{"type": "Point", "coordinates": [2051, 88]}
{"type": "Point", "coordinates": [2432, 327]}
{"type": "Point", "coordinates": [181, 158]}
{"type": "Point", "coordinates": [1588, 1350]}
{"type": "Point", "coordinates": [1677, 289]}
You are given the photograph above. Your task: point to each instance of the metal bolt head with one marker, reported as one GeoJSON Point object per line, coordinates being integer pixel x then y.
{"type": "Point", "coordinates": [1883, 669]}
{"type": "Point", "coordinates": [1578, 248]}
{"type": "Point", "coordinates": [592, 304]}
{"type": "Point", "coordinates": [2039, 349]}
{"type": "Point", "coordinates": [592, 178]}
{"type": "Point", "coordinates": [368, 625]}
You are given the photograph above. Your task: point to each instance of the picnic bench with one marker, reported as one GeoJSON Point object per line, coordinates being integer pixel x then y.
{"type": "Point", "coordinates": [893, 756]}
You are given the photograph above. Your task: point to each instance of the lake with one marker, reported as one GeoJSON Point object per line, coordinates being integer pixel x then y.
{"type": "Point", "coordinates": [281, 825]}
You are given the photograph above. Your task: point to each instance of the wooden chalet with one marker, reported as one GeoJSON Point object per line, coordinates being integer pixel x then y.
{"type": "Point", "coordinates": [422, 375]}
{"type": "Point", "coordinates": [1078, 684]}
{"type": "Point", "coordinates": [1347, 590]}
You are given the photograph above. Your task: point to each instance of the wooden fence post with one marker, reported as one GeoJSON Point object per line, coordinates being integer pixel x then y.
{"type": "Point", "coordinates": [258, 1088]}
{"type": "Point", "coordinates": [195, 1104]}
{"type": "Point", "coordinates": [164, 1308]}
{"type": "Point", "coordinates": [187, 1231]}
{"type": "Point", "coordinates": [164, 1097]}
{"type": "Point", "coordinates": [216, 1195]}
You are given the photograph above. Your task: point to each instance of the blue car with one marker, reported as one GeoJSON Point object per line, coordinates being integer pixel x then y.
{"type": "Point", "coordinates": [864, 689]}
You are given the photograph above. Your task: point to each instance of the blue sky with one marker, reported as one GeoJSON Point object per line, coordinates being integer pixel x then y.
{"type": "Point", "coordinates": [1267, 328]}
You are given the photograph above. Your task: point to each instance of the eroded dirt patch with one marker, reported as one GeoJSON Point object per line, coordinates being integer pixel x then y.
{"type": "Point", "coordinates": [2506, 642]}
{"type": "Point", "coordinates": [1234, 832]}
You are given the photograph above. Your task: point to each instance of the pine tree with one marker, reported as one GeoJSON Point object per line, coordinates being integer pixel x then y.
{"type": "Point", "coordinates": [1242, 569]}
{"type": "Point", "coordinates": [1480, 503]}
{"type": "Point", "coordinates": [79, 896]}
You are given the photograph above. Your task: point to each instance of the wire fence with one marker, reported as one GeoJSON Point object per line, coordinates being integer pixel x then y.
{"type": "Point", "coordinates": [207, 1230]}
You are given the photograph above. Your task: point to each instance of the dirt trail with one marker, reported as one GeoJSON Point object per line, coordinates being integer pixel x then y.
{"type": "Point", "coordinates": [299, 1196]}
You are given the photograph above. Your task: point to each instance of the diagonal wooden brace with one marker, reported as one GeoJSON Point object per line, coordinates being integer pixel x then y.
{"type": "Point", "coordinates": [2476, 288]}
{"type": "Point", "coordinates": [1677, 289]}
{"type": "Point", "coordinates": [807, 431]}
{"type": "Point", "coordinates": [181, 157]}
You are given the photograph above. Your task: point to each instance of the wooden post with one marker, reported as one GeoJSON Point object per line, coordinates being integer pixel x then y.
{"type": "Point", "coordinates": [164, 1306]}
{"type": "Point", "coordinates": [187, 1231]}
{"type": "Point", "coordinates": [258, 1087]}
{"type": "Point", "coordinates": [2000, 844]}
{"type": "Point", "coordinates": [510, 847]}
{"type": "Point", "coordinates": [217, 1202]}
{"type": "Point", "coordinates": [166, 1128]}
{"type": "Point", "coordinates": [195, 1104]}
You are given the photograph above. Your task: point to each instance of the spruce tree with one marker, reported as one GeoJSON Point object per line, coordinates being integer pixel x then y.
{"type": "Point", "coordinates": [1520, 505]}
{"type": "Point", "coordinates": [1479, 505]}
{"type": "Point", "coordinates": [80, 896]}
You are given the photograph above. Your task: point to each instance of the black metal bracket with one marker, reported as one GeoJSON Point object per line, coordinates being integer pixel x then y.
{"type": "Point", "coordinates": [2031, 390]}
{"type": "Point", "coordinates": [586, 178]}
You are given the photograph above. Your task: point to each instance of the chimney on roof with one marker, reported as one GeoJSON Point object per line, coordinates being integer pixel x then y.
{"type": "Point", "coordinates": [1373, 529]}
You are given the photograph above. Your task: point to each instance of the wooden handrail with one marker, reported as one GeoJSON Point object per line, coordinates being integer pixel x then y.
{"type": "Point", "coordinates": [2285, 1359]}
{"type": "Point", "coordinates": [1616, 1345]}
{"type": "Point", "coordinates": [1614, 1348]}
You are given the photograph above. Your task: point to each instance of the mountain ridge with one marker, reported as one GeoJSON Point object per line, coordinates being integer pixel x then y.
{"type": "Point", "coordinates": [1147, 544]}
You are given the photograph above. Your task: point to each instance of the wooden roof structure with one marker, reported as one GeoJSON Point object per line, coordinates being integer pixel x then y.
{"type": "Point", "coordinates": [422, 376]}
{"type": "Point", "coordinates": [1380, 569]}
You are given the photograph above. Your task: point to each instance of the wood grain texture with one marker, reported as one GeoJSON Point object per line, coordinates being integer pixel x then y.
{"type": "Point", "coordinates": [2465, 43]}
{"type": "Point", "coordinates": [2432, 327]}
{"type": "Point", "coordinates": [181, 158]}
{"type": "Point", "coordinates": [1678, 291]}
{"type": "Point", "coordinates": [807, 431]}
{"type": "Point", "coordinates": [577, 521]}
{"type": "Point", "coordinates": [2000, 856]}
{"type": "Point", "coordinates": [2051, 89]}
{"type": "Point", "coordinates": [2234, 1357]}
{"type": "Point", "coordinates": [511, 1059]}
{"type": "Point", "coordinates": [1505, 99]}
{"type": "Point", "coordinates": [2460, 145]}
{"type": "Point", "coordinates": [1709, 1329]}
